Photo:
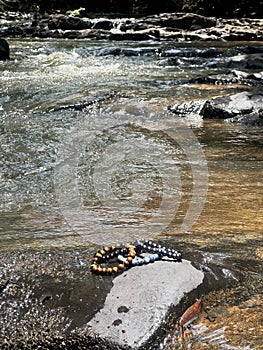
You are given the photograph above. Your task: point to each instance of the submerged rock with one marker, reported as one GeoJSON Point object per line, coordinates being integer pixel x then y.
{"type": "Point", "coordinates": [140, 299]}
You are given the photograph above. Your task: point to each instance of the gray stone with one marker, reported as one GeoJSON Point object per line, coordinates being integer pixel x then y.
{"type": "Point", "coordinates": [140, 299]}
{"type": "Point", "coordinates": [240, 104]}
{"type": "Point", "coordinates": [243, 108]}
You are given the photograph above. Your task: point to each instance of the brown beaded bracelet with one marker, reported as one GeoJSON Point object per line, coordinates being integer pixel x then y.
{"type": "Point", "coordinates": [107, 253]}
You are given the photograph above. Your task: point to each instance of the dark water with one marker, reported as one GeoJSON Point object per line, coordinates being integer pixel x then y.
{"type": "Point", "coordinates": [124, 167]}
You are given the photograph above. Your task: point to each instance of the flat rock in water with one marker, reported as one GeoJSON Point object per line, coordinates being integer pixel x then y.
{"type": "Point", "coordinates": [140, 299]}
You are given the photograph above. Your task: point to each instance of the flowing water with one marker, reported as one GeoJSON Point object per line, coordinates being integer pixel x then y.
{"type": "Point", "coordinates": [76, 173]}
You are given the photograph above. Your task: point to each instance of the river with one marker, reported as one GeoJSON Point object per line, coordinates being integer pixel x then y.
{"type": "Point", "coordinates": [76, 173]}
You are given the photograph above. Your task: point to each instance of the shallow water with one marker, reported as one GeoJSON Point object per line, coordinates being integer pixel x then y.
{"type": "Point", "coordinates": [44, 76]}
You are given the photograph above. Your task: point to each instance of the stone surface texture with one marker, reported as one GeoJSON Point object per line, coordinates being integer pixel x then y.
{"type": "Point", "coordinates": [140, 300]}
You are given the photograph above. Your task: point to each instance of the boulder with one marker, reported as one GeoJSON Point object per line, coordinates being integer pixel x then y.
{"type": "Point", "coordinates": [103, 24]}
{"type": "Point", "coordinates": [140, 299]}
{"type": "Point", "coordinates": [244, 107]}
{"type": "Point", "coordinates": [4, 50]}
{"type": "Point", "coordinates": [240, 104]}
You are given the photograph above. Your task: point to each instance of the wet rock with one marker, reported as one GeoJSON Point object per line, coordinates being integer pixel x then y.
{"type": "Point", "coordinates": [68, 23]}
{"type": "Point", "coordinates": [252, 119]}
{"type": "Point", "coordinates": [3, 285]}
{"type": "Point", "coordinates": [116, 51]}
{"type": "Point", "coordinates": [188, 108]}
{"type": "Point", "coordinates": [240, 36]}
{"type": "Point", "coordinates": [4, 50]}
{"type": "Point", "coordinates": [80, 105]}
{"type": "Point", "coordinates": [130, 25]}
{"type": "Point", "coordinates": [231, 77]}
{"type": "Point", "coordinates": [244, 107]}
{"type": "Point", "coordinates": [103, 24]}
{"type": "Point", "coordinates": [251, 61]}
{"type": "Point", "coordinates": [140, 299]}
{"type": "Point", "coordinates": [98, 34]}
{"type": "Point", "coordinates": [188, 21]}
{"type": "Point", "coordinates": [241, 104]}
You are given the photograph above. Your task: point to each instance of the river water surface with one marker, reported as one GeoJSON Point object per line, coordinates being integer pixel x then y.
{"type": "Point", "coordinates": [43, 90]}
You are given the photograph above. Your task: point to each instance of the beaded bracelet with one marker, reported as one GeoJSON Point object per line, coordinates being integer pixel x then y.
{"type": "Point", "coordinates": [144, 245]}
{"type": "Point", "coordinates": [138, 261]}
{"type": "Point", "coordinates": [128, 256]}
{"type": "Point", "coordinates": [108, 253]}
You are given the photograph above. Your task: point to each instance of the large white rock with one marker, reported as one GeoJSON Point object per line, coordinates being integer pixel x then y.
{"type": "Point", "coordinates": [140, 298]}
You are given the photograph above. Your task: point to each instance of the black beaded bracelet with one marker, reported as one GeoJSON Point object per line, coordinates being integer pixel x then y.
{"type": "Point", "coordinates": [144, 245]}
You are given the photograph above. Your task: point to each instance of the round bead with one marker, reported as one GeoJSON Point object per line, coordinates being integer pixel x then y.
{"type": "Point", "coordinates": [121, 258]}
{"type": "Point", "coordinates": [115, 269]}
{"type": "Point", "coordinates": [152, 258]}
{"type": "Point", "coordinates": [140, 261]}
{"type": "Point", "coordinates": [146, 260]}
{"type": "Point", "coordinates": [121, 266]}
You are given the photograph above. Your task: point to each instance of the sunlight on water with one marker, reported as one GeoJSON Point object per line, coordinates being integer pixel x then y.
{"type": "Point", "coordinates": [45, 76]}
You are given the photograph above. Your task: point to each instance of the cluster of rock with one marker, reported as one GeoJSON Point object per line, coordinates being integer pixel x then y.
{"type": "Point", "coordinates": [167, 26]}
{"type": "Point", "coordinates": [244, 107]}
